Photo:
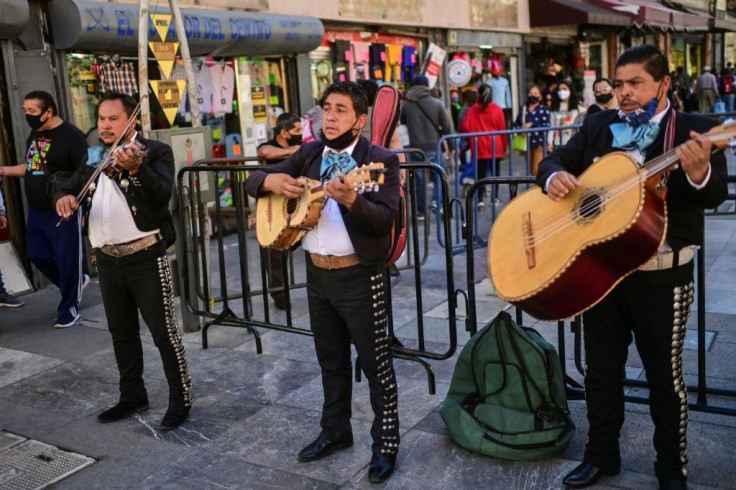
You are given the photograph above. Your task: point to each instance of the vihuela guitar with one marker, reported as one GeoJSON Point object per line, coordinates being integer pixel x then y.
{"type": "Point", "coordinates": [557, 259]}
{"type": "Point", "coordinates": [282, 222]}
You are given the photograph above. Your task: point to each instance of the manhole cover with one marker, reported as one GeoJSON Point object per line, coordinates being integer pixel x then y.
{"type": "Point", "coordinates": [34, 465]}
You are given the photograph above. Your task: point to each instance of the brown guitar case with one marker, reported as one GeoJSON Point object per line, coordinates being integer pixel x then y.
{"type": "Point", "coordinates": [386, 111]}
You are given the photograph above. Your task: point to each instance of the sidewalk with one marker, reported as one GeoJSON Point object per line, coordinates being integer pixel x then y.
{"type": "Point", "coordinates": [253, 413]}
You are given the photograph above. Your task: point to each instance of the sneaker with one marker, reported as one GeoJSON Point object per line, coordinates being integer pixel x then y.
{"type": "Point", "coordinates": [481, 206]}
{"type": "Point", "coordinates": [10, 301]}
{"type": "Point", "coordinates": [66, 323]}
{"type": "Point", "coordinates": [433, 205]}
{"type": "Point", "coordinates": [85, 281]}
{"type": "Point", "coordinates": [279, 303]}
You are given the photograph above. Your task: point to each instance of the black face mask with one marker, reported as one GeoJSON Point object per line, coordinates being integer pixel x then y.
{"type": "Point", "coordinates": [604, 98]}
{"type": "Point", "coordinates": [340, 142]}
{"type": "Point", "coordinates": [532, 99]}
{"type": "Point", "coordinates": [294, 139]}
{"type": "Point", "coordinates": [35, 121]}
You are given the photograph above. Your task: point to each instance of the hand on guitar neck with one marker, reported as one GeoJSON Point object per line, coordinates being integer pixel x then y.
{"type": "Point", "coordinates": [694, 157]}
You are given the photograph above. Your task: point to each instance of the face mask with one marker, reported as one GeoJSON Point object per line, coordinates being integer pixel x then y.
{"type": "Point", "coordinates": [340, 142]}
{"type": "Point", "coordinates": [532, 99]}
{"type": "Point", "coordinates": [455, 99]}
{"type": "Point", "coordinates": [604, 98]}
{"type": "Point", "coordinates": [294, 139]}
{"type": "Point", "coordinates": [35, 121]}
{"type": "Point", "coordinates": [563, 94]}
{"type": "Point", "coordinates": [641, 116]}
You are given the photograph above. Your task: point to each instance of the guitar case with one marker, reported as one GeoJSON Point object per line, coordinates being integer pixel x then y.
{"type": "Point", "coordinates": [385, 117]}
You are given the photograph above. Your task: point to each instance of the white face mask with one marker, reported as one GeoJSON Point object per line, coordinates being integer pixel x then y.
{"type": "Point", "coordinates": [563, 94]}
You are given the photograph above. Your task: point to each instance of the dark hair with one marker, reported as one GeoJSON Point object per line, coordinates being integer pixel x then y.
{"type": "Point", "coordinates": [469, 97]}
{"type": "Point", "coordinates": [285, 122]}
{"type": "Point", "coordinates": [47, 101]}
{"type": "Point", "coordinates": [572, 103]}
{"type": "Point", "coordinates": [128, 101]}
{"type": "Point", "coordinates": [655, 63]}
{"type": "Point", "coordinates": [602, 79]}
{"type": "Point", "coordinates": [371, 89]}
{"type": "Point", "coordinates": [485, 95]}
{"type": "Point", "coordinates": [352, 90]}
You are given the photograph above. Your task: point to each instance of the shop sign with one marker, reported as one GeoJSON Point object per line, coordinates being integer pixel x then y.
{"type": "Point", "coordinates": [258, 95]}
{"type": "Point", "coordinates": [433, 63]}
{"type": "Point", "coordinates": [260, 114]}
{"type": "Point", "coordinates": [168, 93]}
{"type": "Point", "coordinates": [459, 72]}
{"type": "Point", "coordinates": [89, 80]}
{"type": "Point", "coordinates": [161, 23]}
{"type": "Point", "coordinates": [165, 54]}
{"type": "Point", "coordinates": [461, 37]}
{"type": "Point", "coordinates": [368, 37]}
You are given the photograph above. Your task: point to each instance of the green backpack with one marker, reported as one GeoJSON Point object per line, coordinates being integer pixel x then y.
{"type": "Point", "coordinates": [507, 397]}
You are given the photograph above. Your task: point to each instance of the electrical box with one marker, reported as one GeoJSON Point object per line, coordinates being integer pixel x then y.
{"type": "Point", "coordinates": [190, 145]}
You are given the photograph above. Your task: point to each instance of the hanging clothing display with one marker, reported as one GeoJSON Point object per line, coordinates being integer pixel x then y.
{"type": "Point", "coordinates": [203, 83]}
{"type": "Point", "coordinates": [115, 78]}
{"type": "Point", "coordinates": [223, 85]}
{"type": "Point", "coordinates": [378, 60]}
{"type": "Point", "coordinates": [359, 68]}
{"type": "Point", "coordinates": [409, 61]}
{"type": "Point", "coordinates": [393, 62]}
{"type": "Point", "coordinates": [341, 55]}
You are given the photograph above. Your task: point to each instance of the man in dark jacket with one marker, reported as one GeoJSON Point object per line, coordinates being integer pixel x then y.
{"type": "Point", "coordinates": [652, 303]}
{"type": "Point", "coordinates": [426, 122]}
{"type": "Point", "coordinates": [129, 229]}
{"type": "Point", "coordinates": [346, 262]}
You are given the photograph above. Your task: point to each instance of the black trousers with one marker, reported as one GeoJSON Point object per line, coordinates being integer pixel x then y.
{"type": "Point", "coordinates": [142, 281]}
{"type": "Point", "coordinates": [347, 304]}
{"type": "Point", "coordinates": [654, 306]}
{"type": "Point", "coordinates": [275, 272]}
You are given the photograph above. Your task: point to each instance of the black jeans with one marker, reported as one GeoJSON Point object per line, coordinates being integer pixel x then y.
{"type": "Point", "coordinates": [654, 306]}
{"type": "Point", "coordinates": [347, 304]}
{"type": "Point", "coordinates": [142, 281]}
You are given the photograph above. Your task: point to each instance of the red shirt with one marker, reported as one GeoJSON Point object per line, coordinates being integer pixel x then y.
{"type": "Point", "coordinates": [480, 120]}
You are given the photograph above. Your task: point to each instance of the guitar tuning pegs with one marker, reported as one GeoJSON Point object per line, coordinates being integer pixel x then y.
{"type": "Point", "coordinates": [361, 190]}
{"type": "Point", "coordinates": [375, 188]}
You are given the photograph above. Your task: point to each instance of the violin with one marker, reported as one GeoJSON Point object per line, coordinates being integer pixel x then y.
{"type": "Point", "coordinates": [112, 169]}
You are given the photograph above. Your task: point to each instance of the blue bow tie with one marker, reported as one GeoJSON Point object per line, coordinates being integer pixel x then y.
{"type": "Point", "coordinates": [334, 162]}
{"type": "Point", "coordinates": [628, 137]}
{"type": "Point", "coordinates": [95, 154]}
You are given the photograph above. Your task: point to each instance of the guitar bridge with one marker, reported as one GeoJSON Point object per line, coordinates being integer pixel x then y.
{"type": "Point", "coordinates": [528, 232]}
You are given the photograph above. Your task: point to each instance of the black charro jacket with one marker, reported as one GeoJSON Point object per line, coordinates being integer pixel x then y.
{"type": "Point", "coordinates": [371, 218]}
{"type": "Point", "coordinates": [147, 193]}
{"type": "Point", "coordinates": [685, 204]}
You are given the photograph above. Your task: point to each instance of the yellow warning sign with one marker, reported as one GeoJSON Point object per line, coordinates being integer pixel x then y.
{"type": "Point", "coordinates": [165, 54]}
{"type": "Point", "coordinates": [168, 93]}
{"type": "Point", "coordinates": [161, 22]}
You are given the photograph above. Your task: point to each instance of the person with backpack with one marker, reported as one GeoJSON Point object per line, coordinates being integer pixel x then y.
{"type": "Point", "coordinates": [346, 256]}
{"type": "Point", "coordinates": [426, 121]}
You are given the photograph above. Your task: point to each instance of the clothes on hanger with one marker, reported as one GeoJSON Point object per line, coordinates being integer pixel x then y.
{"type": "Point", "coordinates": [117, 78]}
{"type": "Point", "coordinates": [223, 85]}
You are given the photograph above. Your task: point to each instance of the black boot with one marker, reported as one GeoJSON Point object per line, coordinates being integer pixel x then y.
{"type": "Point", "coordinates": [122, 410]}
{"type": "Point", "coordinates": [175, 416]}
{"type": "Point", "coordinates": [585, 474]}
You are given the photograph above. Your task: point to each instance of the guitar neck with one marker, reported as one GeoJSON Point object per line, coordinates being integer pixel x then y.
{"type": "Point", "coordinates": [666, 160]}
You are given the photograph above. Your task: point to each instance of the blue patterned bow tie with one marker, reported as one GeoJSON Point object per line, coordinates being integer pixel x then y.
{"type": "Point", "coordinates": [95, 154]}
{"type": "Point", "coordinates": [334, 162]}
{"type": "Point", "coordinates": [628, 137]}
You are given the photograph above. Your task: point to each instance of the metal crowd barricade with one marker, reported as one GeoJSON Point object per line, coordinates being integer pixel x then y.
{"type": "Point", "coordinates": [513, 170]}
{"type": "Point", "coordinates": [220, 309]}
{"type": "Point", "coordinates": [574, 389]}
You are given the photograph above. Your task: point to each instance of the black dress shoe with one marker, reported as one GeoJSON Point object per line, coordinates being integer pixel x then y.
{"type": "Point", "coordinates": [122, 410]}
{"type": "Point", "coordinates": [585, 474]}
{"type": "Point", "coordinates": [382, 466]}
{"type": "Point", "coordinates": [175, 416]}
{"type": "Point", "coordinates": [671, 483]}
{"type": "Point", "coordinates": [322, 447]}
{"type": "Point", "coordinates": [279, 303]}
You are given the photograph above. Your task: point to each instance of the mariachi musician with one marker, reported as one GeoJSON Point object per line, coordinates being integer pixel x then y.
{"type": "Point", "coordinates": [346, 256]}
{"type": "Point", "coordinates": [130, 228]}
{"type": "Point", "coordinates": [653, 303]}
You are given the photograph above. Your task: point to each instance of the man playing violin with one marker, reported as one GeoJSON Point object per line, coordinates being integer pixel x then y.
{"type": "Point", "coordinates": [130, 228]}
{"type": "Point", "coordinates": [652, 303]}
{"type": "Point", "coordinates": [346, 256]}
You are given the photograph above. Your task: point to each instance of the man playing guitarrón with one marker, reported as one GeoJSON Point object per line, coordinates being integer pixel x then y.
{"type": "Point", "coordinates": [346, 256]}
{"type": "Point", "coordinates": [653, 303]}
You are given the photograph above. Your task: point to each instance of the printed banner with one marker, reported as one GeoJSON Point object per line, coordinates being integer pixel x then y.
{"type": "Point", "coordinates": [168, 93]}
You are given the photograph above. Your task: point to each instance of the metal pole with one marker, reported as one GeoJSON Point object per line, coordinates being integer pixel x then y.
{"type": "Point", "coordinates": [184, 46]}
{"type": "Point", "coordinates": [143, 68]}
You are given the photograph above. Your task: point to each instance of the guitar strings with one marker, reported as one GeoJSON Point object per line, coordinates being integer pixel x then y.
{"type": "Point", "coordinates": [651, 168]}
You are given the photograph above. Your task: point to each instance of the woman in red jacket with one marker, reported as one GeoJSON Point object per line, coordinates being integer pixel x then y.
{"type": "Point", "coordinates": [486, 116]}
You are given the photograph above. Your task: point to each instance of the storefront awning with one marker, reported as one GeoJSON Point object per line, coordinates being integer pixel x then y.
{"type": "Point", "coordinates": [14, 16]}
{"type": "Point", "coordinates": [723, 25]}
{"type": "Point", "coordinates": [656, 16]}
{"type": "Point", "coordinates": [563, 12]}
{"type": "Point", "coordinates": [86, 25]}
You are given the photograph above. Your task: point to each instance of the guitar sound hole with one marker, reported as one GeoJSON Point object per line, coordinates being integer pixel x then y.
{"type": "Point", "coordinates": [291, 206]}
{"type": "Point", "coordinates": [591, 206]}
